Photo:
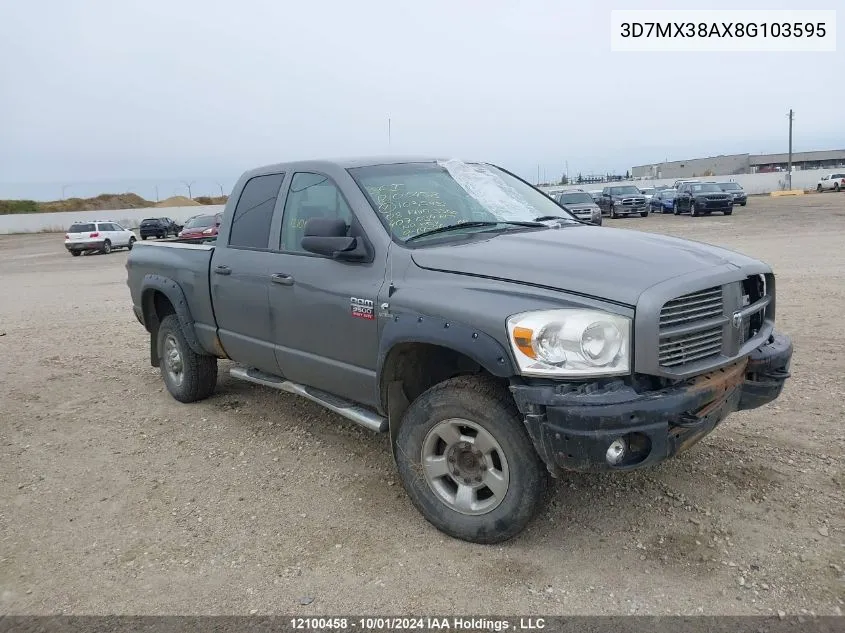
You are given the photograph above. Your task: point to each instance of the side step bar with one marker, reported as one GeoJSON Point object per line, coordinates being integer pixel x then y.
{"type": "Point", "coordinates": [348, 410]}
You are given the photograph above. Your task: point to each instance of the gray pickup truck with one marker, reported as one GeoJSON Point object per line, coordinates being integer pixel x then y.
{"type": "Point", "coordinates": [497, 339]}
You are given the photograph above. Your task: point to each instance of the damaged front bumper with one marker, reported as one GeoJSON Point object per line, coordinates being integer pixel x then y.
{"type": "Point", "coordinates": [573, 427]}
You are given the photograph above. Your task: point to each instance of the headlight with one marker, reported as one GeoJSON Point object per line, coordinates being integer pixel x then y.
{"type": "Point", "coordinates": [570, 343]}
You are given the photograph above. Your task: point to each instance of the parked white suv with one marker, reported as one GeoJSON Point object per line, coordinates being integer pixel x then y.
{"type": "Point", "coordinates": [833, 182]}
{"type": "Point", "coordinates": [97, 236]}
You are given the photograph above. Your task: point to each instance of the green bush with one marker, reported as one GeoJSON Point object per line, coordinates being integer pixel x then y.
{"type": "Point", "coordinates": [8, 207]}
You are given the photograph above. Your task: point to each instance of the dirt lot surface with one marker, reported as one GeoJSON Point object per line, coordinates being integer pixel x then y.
{"type": "Point", "coordinates": [114, 498]}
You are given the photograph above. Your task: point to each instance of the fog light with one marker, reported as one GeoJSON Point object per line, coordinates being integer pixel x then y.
{"type": "Point", "coordinates": [616, 451]}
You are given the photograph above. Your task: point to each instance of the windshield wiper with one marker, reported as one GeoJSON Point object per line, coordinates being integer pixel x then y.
{"type": "Point", "coordinates": [469, 225]}
{"type": "Point", "coordinates": [545, 218]}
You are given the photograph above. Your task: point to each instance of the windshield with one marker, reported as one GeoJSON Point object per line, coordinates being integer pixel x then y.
{"type": "Point", "coordinates": [729, 186]}
{"type": "Point", "coordinates": [80, 228]}
{"type": "Point", "coordinates": [704, 188]}
{"type": "Point", "coordinates": [203, 220]}
{"type": "Point", "coordinates": [415, 198]}
{"type": "Point", "coordinates": [647, 190]}
{"type": "Point", "coordinates": [666, 193]}
{"type": "Point", "coordinates": [576, 197]}
{"type": "Point", "coordinates": [624, 191]}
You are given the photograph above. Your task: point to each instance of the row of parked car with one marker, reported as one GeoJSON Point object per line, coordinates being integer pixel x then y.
{"type": "Point", "coordinates": [103, 237]}
{"type": "Point", "coordinates": [684, 196]}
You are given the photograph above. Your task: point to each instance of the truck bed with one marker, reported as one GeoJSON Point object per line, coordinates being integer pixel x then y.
{"type": "Point", "coordinates": [186, 263]}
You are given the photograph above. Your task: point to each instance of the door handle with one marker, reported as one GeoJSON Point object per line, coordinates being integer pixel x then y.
{"type": "Point", "coordinates": [223, 270]}
{"type": "Point", "coordinates": [281, 279]}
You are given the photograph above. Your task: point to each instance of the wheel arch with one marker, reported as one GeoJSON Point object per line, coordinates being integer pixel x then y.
{"type": "Point", "coordinates": [161, 296]}
{"type": "Point", "coordinates": [417, 352]}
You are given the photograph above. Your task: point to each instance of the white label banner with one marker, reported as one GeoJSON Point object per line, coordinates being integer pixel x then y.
{"type": "Point", "coordinates": [723, 30]}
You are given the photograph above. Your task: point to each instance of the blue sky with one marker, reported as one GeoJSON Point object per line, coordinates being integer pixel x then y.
{"type": "Point", "coordinates": [132, 94]}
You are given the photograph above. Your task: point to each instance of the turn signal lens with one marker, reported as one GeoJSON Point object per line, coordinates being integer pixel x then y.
{"type": "Point", "coordinates": [522, 337]}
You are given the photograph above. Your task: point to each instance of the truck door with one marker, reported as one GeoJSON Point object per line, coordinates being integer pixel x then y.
{"type": "Point", "coordinates": [324, 311]}
{"type": "Point", "coordinates": [240, 276]}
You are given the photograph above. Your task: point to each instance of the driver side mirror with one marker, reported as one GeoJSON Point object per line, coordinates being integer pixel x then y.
{"type": "Point", "coordinates": [327, 237]}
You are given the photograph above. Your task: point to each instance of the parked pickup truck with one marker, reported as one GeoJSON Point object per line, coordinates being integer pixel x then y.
{"type": "Point", "coordinates": [463, 312]}
{"type": "Point", "coordinates": [623, 200]}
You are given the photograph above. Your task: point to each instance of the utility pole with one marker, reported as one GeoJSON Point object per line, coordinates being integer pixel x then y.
{"type": "Point", "coordinates": [156, 193]}
{"type": "Point", "coordinates": [538, 174]}
{"type": "Point", "coordinates": [789, 164]}
{"type": "Point", "coordinates": [64, 188]}
{"type": "Point", "coordinates": [388, 131]}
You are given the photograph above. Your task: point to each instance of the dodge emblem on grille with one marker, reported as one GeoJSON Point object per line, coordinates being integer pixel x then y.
{"type": "Point", "coordinates": [736, 320]}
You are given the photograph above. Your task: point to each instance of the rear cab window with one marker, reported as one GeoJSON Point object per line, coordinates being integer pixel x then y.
{"type": "Point", "coordinates": [254, 212]}
{"type": "Point", "coordinates": [82, 228]}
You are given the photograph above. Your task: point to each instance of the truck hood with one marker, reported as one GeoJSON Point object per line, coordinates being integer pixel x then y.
{"type": "Point", "coordinates": [617, 265]}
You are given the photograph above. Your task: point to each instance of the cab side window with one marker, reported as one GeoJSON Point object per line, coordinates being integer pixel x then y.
{"type": "Point", "coordinates": [254, 212]}
{"type": "Point", "coordinates": [310, 196]}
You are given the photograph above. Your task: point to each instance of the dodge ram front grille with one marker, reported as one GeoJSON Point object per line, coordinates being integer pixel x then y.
{"type": "Point", "coordinates": [696, 306]}
{"type": "Point", "coordinates": [688, 332]}
{"type": "Point", "coordinates": [685, 348]}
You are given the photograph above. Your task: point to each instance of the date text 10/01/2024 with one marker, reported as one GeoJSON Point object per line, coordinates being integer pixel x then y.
{"type": "Point", "coordinates": [419, 624]}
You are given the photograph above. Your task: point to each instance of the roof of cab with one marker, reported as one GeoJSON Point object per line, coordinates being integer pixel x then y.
{"type": "Point", "coordinates": [342, 163]}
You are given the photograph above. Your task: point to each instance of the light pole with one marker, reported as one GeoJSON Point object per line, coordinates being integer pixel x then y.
{"type": "Point", "coordinates": [64, 188]}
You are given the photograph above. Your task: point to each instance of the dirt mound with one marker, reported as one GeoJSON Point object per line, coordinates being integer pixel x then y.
{"type": "Point", "coordinates": [103, 201]}
{"type": "Point", "coordinates": [177, 201]}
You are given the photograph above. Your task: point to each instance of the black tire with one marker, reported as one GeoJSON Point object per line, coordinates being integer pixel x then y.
{"type": "Point", "coordinates": [131, 243]}
{"type": "Point", "coordinates": [106, 247]}
{"type": "Point", "coordinates": [675, 209]}
{"type": "Point", "coordinates": [692, 210]}
{"type": "Point", "coordinates": [836, 186]}
{"type": "Point", "coordinates": [491, 407]}
{"type": "Point", "coordinates": [644, 214]}
{"type": "Point", "coordinates": [143, 237]}
{"type": "Point", "coordinates": [729, 212]}
{"type": "Point", "coordinates": [742, 204]}
{"type": "Point", "coordinates": [819, 188]}
{"type": "Point", "coordinates": [199, 371]}
{"type": "Point", "coordinates": [76, 253]}
{"type": "Point", "coordinates": [613, 213]}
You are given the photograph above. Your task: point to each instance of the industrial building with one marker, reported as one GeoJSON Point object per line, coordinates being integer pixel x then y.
{"type": "Point", "coordinates": [740, 164]}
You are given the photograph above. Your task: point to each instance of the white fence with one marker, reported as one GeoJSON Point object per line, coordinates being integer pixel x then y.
{"type": "Point", "coordinates": [130, 218]}
{"type": "Point", "coordinates": [752, 183]}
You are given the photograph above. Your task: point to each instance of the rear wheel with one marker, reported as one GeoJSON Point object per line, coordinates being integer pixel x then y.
{"type": "Point", "coordinates": [143, 237]}
{"type": "Point", "coordinates": [467, 463]}
{"type": "Point", "coordinates": [187, 375]}
{"type": "Point", "coordinates": [76, 253]}
{"type": "Point", "coordinates": [836, 186]}
{"type": "Point", "coordinates": [106, 247]}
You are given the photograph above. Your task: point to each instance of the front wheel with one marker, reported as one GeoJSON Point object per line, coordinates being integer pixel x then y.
{"type": "Point", "coordinates": [692, 210]}
{"type": "Point", "coordinates": [187, 375]}
{"type": "Point", "coordinates": [819, 188]}
{"type": "Point", "coordinates": [742, 204]}
{"type": "Point", "coordinates": [467, 463]}
{"type": "Point", "coordinates": [131, 243]}
{"type": "Point", "coordinates": [729, 211]}
{"type": "Point", "coordinates": [675, 209]}
{"type": "Point", "coordinates": [613, 213]}
{"type": "Point", "coordinates": [644, 214]}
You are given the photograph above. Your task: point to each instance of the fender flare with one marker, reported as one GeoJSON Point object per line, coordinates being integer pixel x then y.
{"type": "Point", "coordinates": [174, 293]}
{"type": "Point", "coordinates": [458, 337]}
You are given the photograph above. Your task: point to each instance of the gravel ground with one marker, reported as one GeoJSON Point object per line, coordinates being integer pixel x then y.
{"type": "Point", "coordinates": [114, 498]}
